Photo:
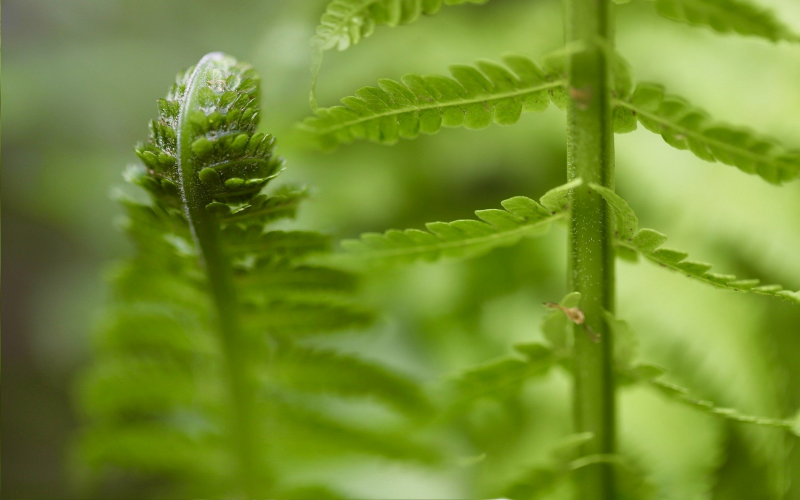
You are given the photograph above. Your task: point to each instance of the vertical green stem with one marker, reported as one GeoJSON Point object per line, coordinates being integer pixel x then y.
{"type": "Point", "coordinates": [590, 154]}
{"type": "Point", "coordinates": [223, 294]}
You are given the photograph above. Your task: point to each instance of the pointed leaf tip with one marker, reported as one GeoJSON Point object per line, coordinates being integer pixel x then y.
{"type": "Point", "coordinates": [627, 224]}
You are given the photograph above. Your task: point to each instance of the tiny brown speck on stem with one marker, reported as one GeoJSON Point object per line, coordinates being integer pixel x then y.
{"type": "Point", "coordinates": [582, 97]}
{"type": "Point", "coordinates": [572, 313]}
{"type": "Point", "coordinates": [575, 315]}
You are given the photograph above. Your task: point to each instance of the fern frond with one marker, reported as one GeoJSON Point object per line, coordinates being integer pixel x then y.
{"type": "Point", "coordinates": [503, 376]}
{"type": "Point", "coordinates": [262, 209]}
{"type": "Point", "coordinates": [632, 370]}
{"type": "Point", "coordinates": [685, 127]}
{"type": "Point", "coordinates": [682, 394]}
{"type": "Point", "coordinates": [537, 481]}
{"type": "Point", "coordinates": [242, 243]}
{"type": "Point", "coordinates": [281, 280]}
{"type": "Point", "coordinates": [202, 334]}
{"type": "Point", "coordinates": [727, 16]}
{"type": "Point", "coordinates": [651, 375]}
{"type": "Point", "coordinates": [525, 217]}
{"type": "Point", "coordinates": [154, 385]}
{"type": "Point", "coordinates": [346, 22]}
{"type": "Point", "coordinates": [131, 448]}
{"type": "Point", "coordinates": [324, 371]}
{"type": "Point", "coordinates": [648, 242]}
{"type": "Point", "coordinates": [465, 238]}
{"type": "Point", "coordinates": [300, 318]}
{"type": "Point", "coordinates": [144, 327]}
{"type": "Point", "coordinates": [303, 431]}
{"type": "Point", "coordinates": [473, 98]}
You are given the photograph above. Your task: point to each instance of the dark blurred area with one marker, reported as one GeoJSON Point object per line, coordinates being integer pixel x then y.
{"type": "Point", "coordinates": [80, 82]}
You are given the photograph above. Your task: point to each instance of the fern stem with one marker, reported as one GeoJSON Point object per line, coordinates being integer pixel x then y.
{"type": "Point", "coordinates": [590, 154]}
{"type": "Point", "coordinates": [206, 233]}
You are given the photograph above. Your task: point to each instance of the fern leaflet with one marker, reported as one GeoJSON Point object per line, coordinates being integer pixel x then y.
{"type": "Point", "coordinates": [346, 22]}
{"type": "Point", "coordinates": [726, 16]}
{"type": "Point", "coordinates": [503, 376]}
{"type": "Point", "coordinates": [465, 238]}
{"type": "Point", "coordinates": [325, 371]}
{"type": "Point", "coordinates": [633, 241]}
{"type": "Point", "coordinates": [685, 127]}
{"type": "Point", "coordinates": [542, 479]}
{"type": "Point", "coordinates": [648, 242]}
{"type": "Point", "coordinates": [634, 371]}
{"type": "Point", "coordinates": [205, 353]}
{"type": "Point", "coordinates": [525, 217]}
{"type": "Point", "coordinates": [473, 98]}
{"type": "Point", "coordinates": [538, 481]}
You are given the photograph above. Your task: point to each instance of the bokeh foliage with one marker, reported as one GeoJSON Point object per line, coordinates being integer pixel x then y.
{"type": "Point", "coordinates": [84, 77]}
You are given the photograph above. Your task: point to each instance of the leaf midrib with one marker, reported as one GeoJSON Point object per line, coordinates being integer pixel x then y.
{"type": "Point", "coordinates": [397, 252]}
{"type": "Point", "coordinates": [782, 32]}
{"type": "Point", "coordinates": [699, 136]}
{"type": "Point", "coordinates": [434, 105]}
{"type": "Point", "coordinates": [727, 413]}
{"type": "Point", "coordinates": [699, 277]}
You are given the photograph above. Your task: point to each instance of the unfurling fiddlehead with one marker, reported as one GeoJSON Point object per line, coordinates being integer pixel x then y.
{"type": "Point", "coordinates": [207, 353]}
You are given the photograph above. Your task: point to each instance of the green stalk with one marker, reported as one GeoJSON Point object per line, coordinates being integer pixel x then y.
{"type": "Point", "coordinates": [590, 155]}
{"type": "Point", "coordinates": [206, 234]}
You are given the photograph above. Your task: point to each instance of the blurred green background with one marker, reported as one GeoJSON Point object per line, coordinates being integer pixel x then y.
{"type": "Point", "coordinates": [80, 82]}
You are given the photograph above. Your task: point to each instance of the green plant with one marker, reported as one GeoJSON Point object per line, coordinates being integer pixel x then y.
{"type": "Point", "coordinates": [215, 374]}
{"type": "Point", "coordinates": [206, 373]}
{"type": "Point", "coordinates": [594, 85]}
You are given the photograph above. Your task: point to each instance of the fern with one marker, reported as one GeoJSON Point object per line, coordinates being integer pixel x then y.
{"type": "Point", "coordinates": [346, 22]}
{"type": "Point", "coordinates": [501, 377]}
{"type": "Point", "coordinates": [505, 375]}
{"type": "Point", "coordinates": [216, 375]}
{"type": "Point", "coordinates": [473, 98]}
{"type": "Point", "coordinates": [539, 481]}
{"type": "Point", "coordinates": [525, 217]}
{"type": "Point", "coordinates": [594, 85]}
{"type": "Point", "coordinates": [476, 98]}
{"type": "Point", "coordinates": [685, 127]}
{"type": "Point", "coordinates": [324, 371]}
{"type": "Point", "coordinates": [200, 356]}
{"type": "Point", "coordinates": [465, 238]}
{"type": "Point", "coordinates": [631, 370]}
{"type": "Point", "coordinates": [682, 395]}
{"type": "Point", "coordinates": [648, 242]}
{"type": "Point", "coordinates": [542, 479]}
{"type": "Point", "coordinates": [632, 241]}
{"type": "Point", "coordinates": [726, 16]}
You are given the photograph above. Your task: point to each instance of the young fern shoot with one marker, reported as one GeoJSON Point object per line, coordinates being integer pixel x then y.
{"type": "Point", "coordinates": [207, 376]}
